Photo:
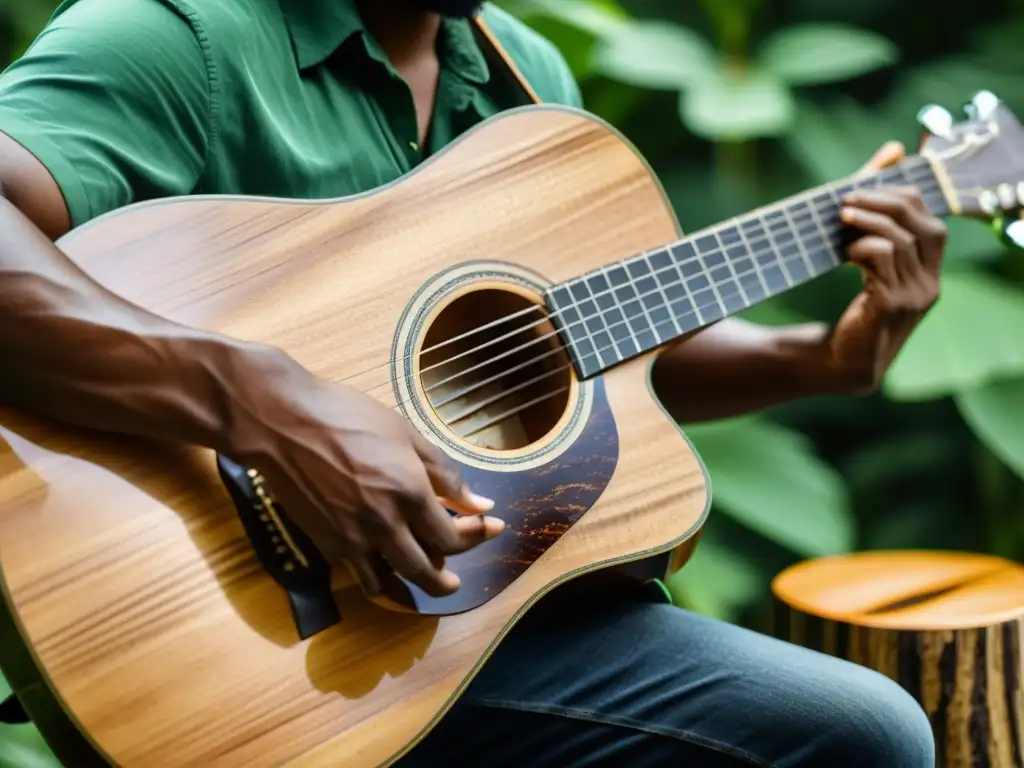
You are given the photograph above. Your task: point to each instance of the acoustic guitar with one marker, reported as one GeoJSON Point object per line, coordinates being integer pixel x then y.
{"type": "Point", "coordinates": [508, 297]}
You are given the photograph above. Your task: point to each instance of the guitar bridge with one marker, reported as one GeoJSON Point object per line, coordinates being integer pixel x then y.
{"type": "Point", "coordinates": [286, 553]}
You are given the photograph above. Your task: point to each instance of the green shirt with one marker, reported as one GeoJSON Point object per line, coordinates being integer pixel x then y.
{"type": "Point", "coordinates": [129, 100]}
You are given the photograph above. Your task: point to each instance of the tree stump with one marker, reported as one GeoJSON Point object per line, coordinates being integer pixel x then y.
{"type": "Point", "coordinates": [948, 627]}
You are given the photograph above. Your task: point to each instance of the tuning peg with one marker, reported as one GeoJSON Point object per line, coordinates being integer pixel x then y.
{"type": "Point", "coordinates": [1014, 233]}
{"type": "Point", "coordinates": [937, 121]}
{"type": "Point", "coordinates": [984, 104]}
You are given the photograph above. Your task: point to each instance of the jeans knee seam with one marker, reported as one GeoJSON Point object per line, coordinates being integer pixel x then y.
{"type": "Point", "coordinates": [626, 722]}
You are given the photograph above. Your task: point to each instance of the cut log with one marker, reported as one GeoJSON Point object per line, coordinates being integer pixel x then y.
{"type": "Point", "coordinates": [948, 627]}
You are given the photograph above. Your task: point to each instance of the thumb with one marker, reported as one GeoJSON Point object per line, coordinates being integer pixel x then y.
{"type": "Point", "coordinates": [447, 480]}
{"type": "Point", "coordinates": [888, 154]}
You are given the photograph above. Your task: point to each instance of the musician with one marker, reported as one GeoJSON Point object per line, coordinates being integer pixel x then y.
{"type": "Point", "coordinates": [119, 101]}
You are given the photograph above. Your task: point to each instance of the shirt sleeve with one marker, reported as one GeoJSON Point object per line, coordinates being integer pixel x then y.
{"type": "Point", "coordinates": [114, 99]}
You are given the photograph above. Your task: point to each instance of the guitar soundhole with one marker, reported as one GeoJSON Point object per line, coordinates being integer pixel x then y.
{"type": "Point", "coordinates": [494, 370]}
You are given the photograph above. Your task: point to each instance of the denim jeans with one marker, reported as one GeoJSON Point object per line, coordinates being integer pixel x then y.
{"type": "Point", "coordinates": [641, 684]}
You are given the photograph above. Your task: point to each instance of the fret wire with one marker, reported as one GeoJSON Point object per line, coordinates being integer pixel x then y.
{"type": "Point", "coordinates": [829, 189]}
{"type": "Point", "coordinates": [618, 304]}
{"type": "Point", "coordinates": [583, 321]}
{"type": "Point", "coordinates": [696, 306]}
{"type": "Point", "coordinates": [732, 271]}
{"type": "Point", "coordinates": [706, 272]}
{"type": "Point", "coordinates": [664, 296]}
{"type": "Point", "coordinates": [817, 232]}
{"type": "Point", "coordinates": [604, 320]}
{"type": "Point", "coordinates": [799, 240]}
{"type": "Point", "coordinates": [824, 233]}
{"type": "Point", "coordinates": [775, 251]}
{"type": "Point", "coordinates": [686, 286]}
{"type": "Point", "coordinates": [787, 208]}
{"type": "Point", "coordinates": [753, 258]}
{"type": "Point", "coordinates": [643, 307]}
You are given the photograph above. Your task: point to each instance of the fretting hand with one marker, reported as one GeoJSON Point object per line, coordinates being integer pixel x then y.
{"type": "Point", "coordinates": [900, 253]}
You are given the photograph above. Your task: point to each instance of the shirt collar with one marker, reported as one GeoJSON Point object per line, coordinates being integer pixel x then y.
{"type": "Point", "coordinates": [320, 27]}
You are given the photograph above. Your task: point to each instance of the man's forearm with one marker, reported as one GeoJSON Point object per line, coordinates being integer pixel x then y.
{"type": "Point", "coordinates": [736, 367]}
{"type": "Point", "coordinates": [73, 351]}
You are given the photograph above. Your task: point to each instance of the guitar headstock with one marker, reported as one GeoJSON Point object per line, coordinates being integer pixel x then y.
{"type": "Point", "coordinates": [979, 161]}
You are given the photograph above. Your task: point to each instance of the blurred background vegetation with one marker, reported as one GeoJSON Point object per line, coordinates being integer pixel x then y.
{"type": "Point", "coordinates": [737, 103]}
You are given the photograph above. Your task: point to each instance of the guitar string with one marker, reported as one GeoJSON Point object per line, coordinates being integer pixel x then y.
{"type": "Point", "coordinates": [698, 308]}
{"type": "Point", "coordinates": [703, 233]}
{"type": "Point", "coordinates": [505, 393]}
{"type": "Point", "coordinates": [496, 377]}
{"type": "Point", "coordinates": [905, 169]}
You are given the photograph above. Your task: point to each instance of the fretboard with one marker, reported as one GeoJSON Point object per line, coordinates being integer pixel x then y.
{"type": "Point", "coordinates": [630, 307]}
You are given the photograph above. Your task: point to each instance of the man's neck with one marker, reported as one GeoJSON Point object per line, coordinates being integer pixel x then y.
{"type": "Point", "coordinates": [407, 34]}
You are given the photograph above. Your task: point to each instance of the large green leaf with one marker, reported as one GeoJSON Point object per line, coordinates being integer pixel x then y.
{"type": "Point", "coordinates": [21, 746]}
{"type": "Point", "coordinates": [810, 54]}
{"type": "Point", "coordinates": [769, 479]}
{"type": "Point", "coordinates": [835, 141]}
{"type": "Point", "coordinates": [655, 54]}
{"type": "Point", "coordinates": [973, 335]}
{"type": "Point", "coordinates": [716, 581]}
{"type": "Point", "coordinates": [735, 106]}
{"type": "Point", "coordinates": [995, 413]}
{"type": "Point", "coordinates": [601, 18]}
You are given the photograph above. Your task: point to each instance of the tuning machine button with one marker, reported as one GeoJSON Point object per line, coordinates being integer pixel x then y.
{"type": "Point", "coordinates": [1014, 232]}
{"type": "Point", "coordinates": [984, 104]}
{"type": "Point", "coordinates": [1007, 197]}
{"type": "Point", "coordinates": [989, 202]}
{"type": "Point", "coordinates": [936, 120]}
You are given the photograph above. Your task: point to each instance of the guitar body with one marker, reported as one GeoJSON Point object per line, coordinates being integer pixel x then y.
{"type": "Point", "coordinates": [142, 625]}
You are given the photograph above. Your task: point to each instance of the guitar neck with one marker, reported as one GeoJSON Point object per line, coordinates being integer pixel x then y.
{"type": "Point", "coordinates": [625, 309]}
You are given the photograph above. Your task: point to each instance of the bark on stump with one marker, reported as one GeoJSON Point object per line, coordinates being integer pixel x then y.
{"type": "Point", "coordinates": [947, 626]}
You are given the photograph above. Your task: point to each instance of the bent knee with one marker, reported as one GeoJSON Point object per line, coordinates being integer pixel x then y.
{"type": "Point", "coordinates": [876, 722]}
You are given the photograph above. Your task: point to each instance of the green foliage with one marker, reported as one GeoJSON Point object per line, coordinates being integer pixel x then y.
{"type": "Point", "coordinates": [995, 412]}
{"type": "Point", "coordinates": [21, 746]}
{"type": "Point", "coordinates": [970, 338]}
{"type": "Point", "coordinates": [737, 105]}
{"type": "Point", "coordinates": [801, 503]}
{"type": "Point", "coordinates": [815, 54]}
{"type": "Point", "coordinates": [655, 54]}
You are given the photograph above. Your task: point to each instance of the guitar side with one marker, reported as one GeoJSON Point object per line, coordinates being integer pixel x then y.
{"type": "Point", "coordinates": [139, 626]}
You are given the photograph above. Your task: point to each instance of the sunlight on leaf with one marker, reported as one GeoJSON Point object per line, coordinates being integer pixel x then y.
{"type": "Point", "coordinates": [812, 54]}
{"type": "Point", "coordinates": [654, 54]}
{"type": "Point", "coordinates": [601, 18]}
{"type": "Point", "coordinates": [834, 141]}
{"type": "Point", "coordinates": [737, 106]}
{"type": "Point", "coordinates": [995, 413]}
{"type": "Point", "coordinates": [774, 312]}
{"type": "Point", "coordinates": [716, 581]}
{"type": "Point", "coordinates": [769, 479]}
{"type": "Point", "coordinates": [22, 746]}
{"type": "Point", "coordinates": [972, 336]}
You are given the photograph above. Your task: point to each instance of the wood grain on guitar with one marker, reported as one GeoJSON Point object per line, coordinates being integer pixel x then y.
{"type": "Point", "coordinates": [508, 298]}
